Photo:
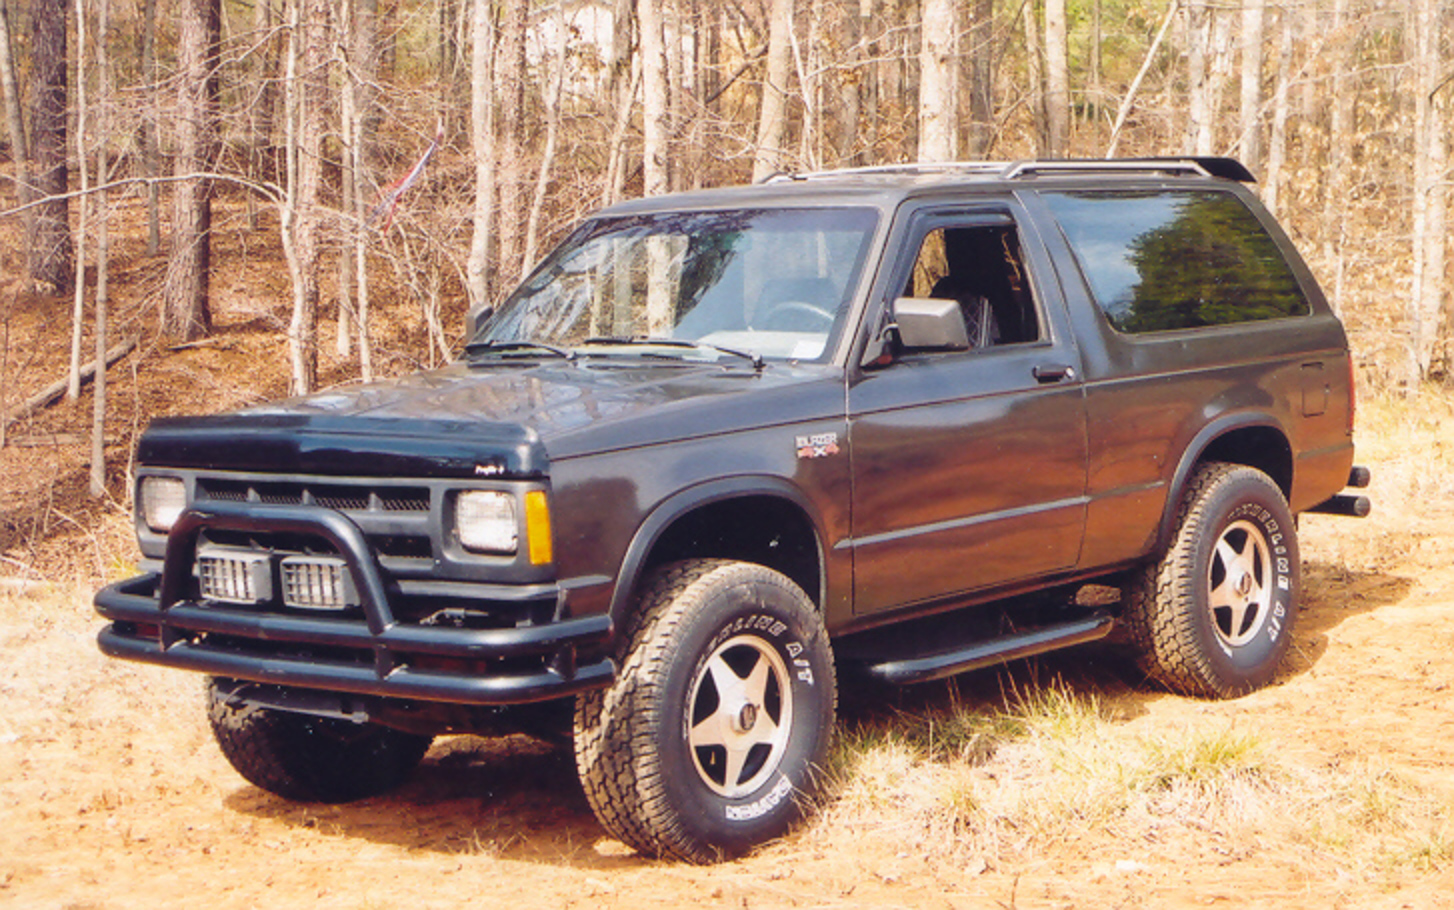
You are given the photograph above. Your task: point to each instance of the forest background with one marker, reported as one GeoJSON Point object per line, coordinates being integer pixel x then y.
{"type": "Point", "coordinates": [297, 193]}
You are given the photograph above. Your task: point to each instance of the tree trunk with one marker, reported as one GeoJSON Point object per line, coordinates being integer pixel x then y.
{"type": "Point", "coordinates": [849, 85]}
{"type": "Point", "coordinates": [78, 309]}
{"type": "Point", "coordinates": [510, 139]}
{"type": "Point", "coordinates": [103, 265]}
{"type": "Point", "coordinates": [313, 95]}
{"type": "Point", "coordinates": [151, 152]}
{"type": "Point", "coordinates": [48, 248]}
{"type": "Point", "coordinates": [1277, 144]}
{"type": "Point", "coordinates": [14, 120]}
{"type": "Point", "coordinates": [772, 123]}
{"type": "Point", "coordinates": [186, 306]}
{"type": "Point", "coordinates": [656, 167]}
{"type": "Point", "coordinates": [1426, 305]}
{"type": "Point", "coordinates": [1035, 64]}
{"type": "Point", "coordinates": [261, 66]}
{"type": "Point", "coordinates": [547, 157]}
{"type": "Point", "coordinates": [937, 78]}
{"type": "Point", "coordinates": [1254, 14]}
{"type": "Point", "coordinates": [482, 49]}
{"type": "Point", "coordinates": [981, 78]}
{"type": "Point", "coordinates": [1057, 80]}
{"type": "Point", "coordinates": [624, 74]}
{"type": "Point", "coordinates": [1340, 141]}
{"type": "Point", "coordinates": [1198, 108]}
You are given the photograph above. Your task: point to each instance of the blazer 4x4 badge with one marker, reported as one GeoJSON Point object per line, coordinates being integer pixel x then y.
{"type": "Point", "coordinates": [819, 445]}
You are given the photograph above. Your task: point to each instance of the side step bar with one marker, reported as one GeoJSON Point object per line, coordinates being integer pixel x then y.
{"type": "Point", "coordinates": [994, 651]}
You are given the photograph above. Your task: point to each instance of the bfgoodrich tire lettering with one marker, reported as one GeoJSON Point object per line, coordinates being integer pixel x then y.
{"type": "Point", "coordinates": [710, 738]}
{"type": "Point", "coordinates": [311, 759]}
{"type": "Point", "coordinates": [1214, 616]}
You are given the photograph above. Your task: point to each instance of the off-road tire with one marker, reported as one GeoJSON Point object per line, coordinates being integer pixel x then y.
{"type": "Point", "coordinates": [645, 747]}
{"type": "Point", "coordinates": [311, 759]}
{"type": "Point", "coordinates": [1214, 616]}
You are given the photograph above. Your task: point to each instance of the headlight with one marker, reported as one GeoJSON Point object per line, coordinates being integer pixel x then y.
{"type": "Point", "coordinates": [485, 521]}
{"type": "Point", "coordinates": [162, 502]}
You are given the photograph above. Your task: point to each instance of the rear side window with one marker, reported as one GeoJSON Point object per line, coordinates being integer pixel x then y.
{"type": "Point", "coordinates": [1176, 260]}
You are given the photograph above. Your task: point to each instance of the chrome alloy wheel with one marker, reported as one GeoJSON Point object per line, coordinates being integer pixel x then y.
{"type": "Point", "coordinates": [1240, 580]}
{"type": "Point", "coordinates": [741, 714]}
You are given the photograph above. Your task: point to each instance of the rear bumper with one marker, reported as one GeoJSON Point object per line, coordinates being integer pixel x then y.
{"type": "Point", "coordinates": [369, 652]}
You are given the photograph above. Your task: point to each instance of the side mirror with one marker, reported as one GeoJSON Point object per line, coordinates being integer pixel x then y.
{"type": "Point", "coordinates": [930, 323]}
{"type": "Point", "coordinates": [476, 318]}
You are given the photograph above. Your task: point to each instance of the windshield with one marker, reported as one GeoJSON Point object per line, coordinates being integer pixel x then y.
{"type": "Point", "coordinates": [769, 283]}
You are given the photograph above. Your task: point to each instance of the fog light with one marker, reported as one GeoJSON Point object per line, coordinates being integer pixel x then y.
{"type": "Point", "coordinates": [162, 502]}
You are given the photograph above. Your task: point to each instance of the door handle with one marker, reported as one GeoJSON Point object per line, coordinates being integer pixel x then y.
{"type": "Point", "coordinates": [1047, 373]}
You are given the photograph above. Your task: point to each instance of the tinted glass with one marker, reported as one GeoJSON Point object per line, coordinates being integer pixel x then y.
{"type": "Point", "coordinates": [1162, 261]}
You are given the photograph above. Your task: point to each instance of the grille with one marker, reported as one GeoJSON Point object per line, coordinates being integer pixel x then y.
{"type": "Point", "coordinates": [317, 583]}
{"type": "Point", "coordinates": [349, 498]}
{"type": "Point", "coordinates": [234, 576]}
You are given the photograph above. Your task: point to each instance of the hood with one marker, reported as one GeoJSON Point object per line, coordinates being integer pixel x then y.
{"type": "Point", "coordinates": [491, 420]}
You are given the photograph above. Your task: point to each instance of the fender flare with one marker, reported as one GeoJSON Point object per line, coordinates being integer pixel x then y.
{"type": "Point", "coordinates": [664, 513]}
{"type": "Point", "coordinates": [1192, 455]}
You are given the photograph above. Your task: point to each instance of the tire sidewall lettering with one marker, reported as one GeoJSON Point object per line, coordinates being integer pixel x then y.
{"type": "Point", "coordinates": [759, 611]}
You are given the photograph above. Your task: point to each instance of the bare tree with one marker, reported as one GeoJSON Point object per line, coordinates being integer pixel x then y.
{"type": "Point", "coordinates": [1057, 79]}
{"type": "Point", "coordinates": [1340, 141]}
{"type": "Point", "coordinates": [103, 256]}
{"type": "Point", "coordinates": [1430, 205]}
{"type": "Point", "coordinates": [83, 110]}
{"type": "Point", "coordinates": [477, 268]}
{"type": "Point", "coordinates": [14, 120]}
{"type": "Point", "coordinates": [772, 123]}
{"type": "Point", "coordinates": [1254, 13]}
{"type": "Point", "coordinates": [657, 170]}
{"type": "Point", "coordinates": [311, 88]}
{"type": "Point", "coordinates": [552, 132]}
{"type": "Point", "coordinates": [938, 107]}
{"type": "Point", "coordinates": [981, 73]}
{"type": "Point", "coordinates": [510, 136]}
{"type": "Point", "coordinates": [151, 155]}
{"type": "Point", "coordinates": [1277, 140]}
{"type": "Point", "coordinates": [48, 246]}
{"type": "Point", "coordinates": [186, 305]}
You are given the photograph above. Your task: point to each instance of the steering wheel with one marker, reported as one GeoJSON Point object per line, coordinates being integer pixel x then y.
{"type": "Point", "coordinates": [792, 312]}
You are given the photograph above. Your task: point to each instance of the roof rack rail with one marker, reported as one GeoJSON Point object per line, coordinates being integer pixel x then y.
{"type": "Point", "coordinates": [1228, 168]}
{"type": "Point", "coordinates": [908, 167]}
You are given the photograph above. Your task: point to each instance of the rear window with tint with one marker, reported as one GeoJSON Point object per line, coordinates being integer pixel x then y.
{"type": "Point", "coordinates": [1160, 261]}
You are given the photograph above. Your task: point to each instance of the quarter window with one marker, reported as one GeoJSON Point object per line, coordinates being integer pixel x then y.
{"type": "Point", "coordinates": [1161, 261]}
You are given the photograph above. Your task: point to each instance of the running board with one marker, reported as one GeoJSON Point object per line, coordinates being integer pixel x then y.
{"type": "Point", "coordinates": [995, 651]}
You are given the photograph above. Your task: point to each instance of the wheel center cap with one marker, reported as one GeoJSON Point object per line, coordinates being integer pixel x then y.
{"type": "Point", "coordinates": [744, 718]}
{"type": "Point", "coordinates": [1244, 584]}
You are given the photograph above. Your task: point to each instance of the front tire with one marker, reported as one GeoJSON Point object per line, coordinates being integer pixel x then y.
{"type": "Point", "coordinates": [711, 737]}
{"type": "Point", "coordinates": [1214, 616]}
{"type": "Point", "coordinates": [311, 759]}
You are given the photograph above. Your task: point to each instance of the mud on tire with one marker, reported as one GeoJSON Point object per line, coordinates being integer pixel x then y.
{"type": "Point", "coordinates": [311, 759]}
{"type": "Point", "coordinates": [1214, 616]}
{"type": "Point", "coordinates": [710, 740]}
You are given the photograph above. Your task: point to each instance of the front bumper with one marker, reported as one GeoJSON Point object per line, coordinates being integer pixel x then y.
{"type": "Point", "coordinates": [154, 619]}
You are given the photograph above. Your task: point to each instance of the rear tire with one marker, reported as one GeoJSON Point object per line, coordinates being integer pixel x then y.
{"type": "Point", "coordinates": [311, 759]}
{"type": "Point", "coordinates": [711, 737]}
{"type": "Point", "coordinates": [1214, 616]}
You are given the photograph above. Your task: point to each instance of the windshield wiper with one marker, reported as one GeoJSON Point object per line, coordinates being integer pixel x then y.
{"type": "Point", "coordinates": [517, 348]}
{"type": "Point", "coordinates": [755, 359]}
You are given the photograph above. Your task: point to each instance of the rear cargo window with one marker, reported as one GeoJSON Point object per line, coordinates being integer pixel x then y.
{"type": "Point", "coordinates": [1176, 260]}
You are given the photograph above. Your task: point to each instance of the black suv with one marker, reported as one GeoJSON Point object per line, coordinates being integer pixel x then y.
{"type": "Point", "coordinates": [722, 447]}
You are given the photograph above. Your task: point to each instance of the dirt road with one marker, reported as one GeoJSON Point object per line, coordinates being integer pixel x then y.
{"type": "Point", "coordinates": [113, 795]}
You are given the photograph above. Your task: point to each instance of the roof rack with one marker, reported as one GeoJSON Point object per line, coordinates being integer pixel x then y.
{"type": "Point", "coordinates": [1227, 168]}
{"type": "Point", "coordinates": [908, 167]}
